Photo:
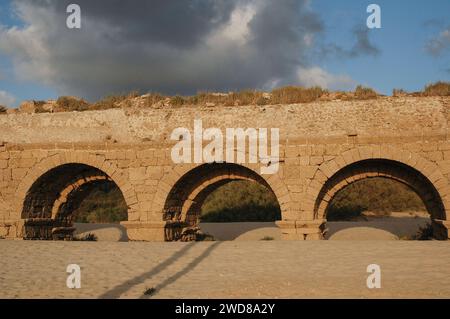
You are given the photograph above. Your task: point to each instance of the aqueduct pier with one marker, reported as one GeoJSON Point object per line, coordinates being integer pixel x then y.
{"type": "Point", "coordinates": [49, 161]}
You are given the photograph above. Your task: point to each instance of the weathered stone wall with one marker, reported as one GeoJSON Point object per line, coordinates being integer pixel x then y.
{"type": "Point", "coordinates": [324, 147]}
{"type": "Point", "coordinates": [383, 117]}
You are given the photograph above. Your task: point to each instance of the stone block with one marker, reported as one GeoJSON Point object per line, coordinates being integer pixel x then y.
{"type": "Point", "coordinates": [18, 173]}
{"type": "Point", "coordinates": [315, 160]}
{"type": "Point", "coordinates": [145, 231]}
{"type": "Point", "coordinates": [137, 174]}
{"type": "Point", "coordinates": [3, 164]}
{"type": "Point", "coordinates": [4, 155]}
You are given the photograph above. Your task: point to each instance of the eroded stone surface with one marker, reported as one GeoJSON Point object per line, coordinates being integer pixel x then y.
{"type": "Point", "coordinates": [324, 146]}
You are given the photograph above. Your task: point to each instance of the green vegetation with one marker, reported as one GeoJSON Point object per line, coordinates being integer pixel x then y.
{"type": "Point", "coordinates": [104, 204]}
{"type": "Point", "coordinates": [378, 195]}
{"type": "Point", "coordinates": [245, 201]}
{"type": "Point", "coordinates": [241, 201]}
{"type": "Point", "coordinates": [267, 238]}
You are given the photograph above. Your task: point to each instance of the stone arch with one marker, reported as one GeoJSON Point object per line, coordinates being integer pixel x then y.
{"type": "Point", "coordinates": [103, 170]}
{"type": "Point", "coordinates": [4, 208]}
{"type": "Point", "coordinates": [385, 169]}
{"type": "Point", "coordinates": [58, 192]}
{"type": "Point", "coordinates": [75, 192]}
{"type": "Point", "coordinates": [186, 195]}
{"type": "Point", "coordinates": [420, 174]}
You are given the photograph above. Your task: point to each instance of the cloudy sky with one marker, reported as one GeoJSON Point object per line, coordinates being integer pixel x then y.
{"type": "Point", "coordinates": [182, 47]}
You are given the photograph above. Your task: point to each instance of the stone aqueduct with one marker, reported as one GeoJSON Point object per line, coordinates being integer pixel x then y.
{"type": "Point", "coordinates": [49, 161]}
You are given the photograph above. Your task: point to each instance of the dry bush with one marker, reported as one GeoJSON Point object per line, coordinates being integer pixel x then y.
{"type": "Point", "coordinates": [340, 95]}
{"type": "Point", "coordinates": [245, 97]}
{"type": "Point", "coordinates": [365, 93]}
{"type": "Point", "coordinates": [283, 95]}
{"type": "Point", "coordinates": [68, 104]}
{"type": "Point", "coordinates": [108, 102]}
{"type": "Point", "coordinates": [40, 107]}
{"type": "Point", "coordinates": [178, 100]}
{"type": "Point", "coordinates": [424, 233]}
{"type": "Point", "coordinates": [399, 93]}
{"type": "Point", "coordinates": [295, 94]}
{"type": "Point", "coordinates": [204, 98]}
{"type": "Point", "coordinates": [87, 237]}
{"type": "Point", "coordinates": [153, 98]}
{"type": "Point", "coordinates": [113, 101]}
{"type": "Point", "coordinates": [2, 109]}
{"type": "Point", "coordinates": [437, 89]}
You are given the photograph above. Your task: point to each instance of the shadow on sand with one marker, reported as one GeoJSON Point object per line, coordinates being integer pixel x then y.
{"type": "Point", "coordinates": [241, 230]}
{"type": "Point", "coordinates": [117, 291]}
{"type": "Point", "coordinates": [104, 232]}
{"type": "Point", "coordinates": [388, 228]}
{"type": "Point", "coordinates": [189, 267]}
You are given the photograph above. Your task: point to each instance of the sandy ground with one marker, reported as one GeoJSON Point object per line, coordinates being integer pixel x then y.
{"type": "Point", "coordinates": [392, 228]}
{"type": "Point", "coordinates": [239, 265]}
{"type": "Point", "coordinates": [228, 269]}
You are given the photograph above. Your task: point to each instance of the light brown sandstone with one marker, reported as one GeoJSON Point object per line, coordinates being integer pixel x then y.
{"type": "Point", "coordinates": [324, 146]}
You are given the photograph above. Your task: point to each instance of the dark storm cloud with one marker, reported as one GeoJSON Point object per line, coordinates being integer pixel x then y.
{"type": "Point", "coordinates": [362, 46]}
{"type": "Point", "coordinates": [167, 46]}
{"type": "Point", "coordinates": [177, 23]}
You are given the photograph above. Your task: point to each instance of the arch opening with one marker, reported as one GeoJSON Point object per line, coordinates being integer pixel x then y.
{"type": "Point", "coordinates": [402, 185]}
{"type": "Point", "coordinates": [57, 197]}
{"type": "Point", "coordinates": [185, 204]}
